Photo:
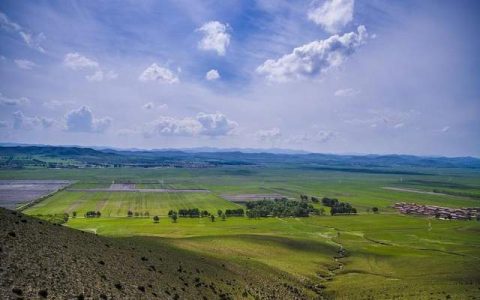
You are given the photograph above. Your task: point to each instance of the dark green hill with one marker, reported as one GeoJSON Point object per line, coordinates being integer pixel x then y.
{"type": "Point", "coordinates": [42, 260]}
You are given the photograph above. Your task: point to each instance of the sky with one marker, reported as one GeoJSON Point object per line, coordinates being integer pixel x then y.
{"type": "Point", "coordinates": [330, 76]}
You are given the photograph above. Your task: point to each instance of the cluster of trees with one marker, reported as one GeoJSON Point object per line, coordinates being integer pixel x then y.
{"type": "Point", "coordinates": [92, 214]}
{"type": "Point", "coordinates": [239, 212]}
{"type": "Point", "coordinates": [280, 208]}
{"type": "Point", "coordinates": [138, 214]}
{"type": "Point", "coordinates": [337, 207]}
{"type": "Point", "coordinates": [330, 202]}
{"type": "Point", "coordinates": [193, 213]}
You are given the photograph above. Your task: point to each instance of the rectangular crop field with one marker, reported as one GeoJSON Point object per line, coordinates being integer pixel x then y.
{"type": "Point", "coordinates": [117, 204]}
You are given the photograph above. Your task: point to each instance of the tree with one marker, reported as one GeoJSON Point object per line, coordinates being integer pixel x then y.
{"type": "Point", "coordinates": [136, 214]}
{"type": "Point", "coordinates": [212, 217]}
{"type": "Point", "coordinates": [74, 214]}
{"type": "Point", "coordinates": [219, 212]}
{"type": "Point", "coordinates": [146, 214]}
{"type": "Point", "coordinates": [156, 219]}
{"type": "Point", "coordinates": [174, 217]}
{"type": "Point", "coordinates": [224, 217]}
{"type": "Point", "coordinates": [375, 209]}
{"type": "Point", "coordinates": [129, 213]}
{"type": "Point", "coordinates": [98, 214]}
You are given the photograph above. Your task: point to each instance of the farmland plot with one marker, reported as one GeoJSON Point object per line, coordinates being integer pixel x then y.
{"type": "Point", "coordinates": [14, 193]}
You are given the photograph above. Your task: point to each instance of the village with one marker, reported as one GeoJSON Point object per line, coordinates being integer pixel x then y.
{"type": "Point", "coordinates": [439, 212]}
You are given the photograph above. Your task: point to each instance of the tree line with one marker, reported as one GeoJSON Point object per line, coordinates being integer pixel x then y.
{"type": "Point", "coordinates": [282, 207]}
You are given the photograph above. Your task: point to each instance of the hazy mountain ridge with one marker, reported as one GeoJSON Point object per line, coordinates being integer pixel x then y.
{"type": "Point", "coordinates": [224, 157]}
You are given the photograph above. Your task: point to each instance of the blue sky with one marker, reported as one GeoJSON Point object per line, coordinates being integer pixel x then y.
{"type": "Point", "coordinates": [336, 76]}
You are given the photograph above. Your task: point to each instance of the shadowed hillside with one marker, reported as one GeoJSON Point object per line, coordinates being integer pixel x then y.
{"type": "Point", "coordinates": [42, 260]}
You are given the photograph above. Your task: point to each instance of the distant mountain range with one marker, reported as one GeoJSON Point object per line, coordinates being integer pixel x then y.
{"type": "Point", "coordinates": [14, 155]}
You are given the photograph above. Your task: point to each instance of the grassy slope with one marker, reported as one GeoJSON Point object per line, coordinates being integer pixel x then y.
{"type": "Point", "coordinates": [68, 264]}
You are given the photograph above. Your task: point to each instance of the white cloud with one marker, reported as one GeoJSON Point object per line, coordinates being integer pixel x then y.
{"type": "Point", "coordinates": [21, 121]}
{"type": "Point", "coordinates": [157, 73]}
{"type": "Point", "coordinates": [78, 62]}
{"type": "Point", "coordinates": [7, 24]}
{"type": "Point", "coordinates": [215, 124]}
{"type": "Point", "coordinates": [75, 61]}
{"type": "Point", "coordinates": [212, 75]}
{"type": "Point", "coordinates": [332, 15]}
{"type": "Point", "coordinates": [3, 124]}
{"type": "Point", "coordinates": [4, 100]}
{"type": "Point", "coordinates": [25, 64]}
{"type": "Point", "coordinates": [398, 125]}
{"type": "Point", "coordinates": [445, 129]}
{"type": "Point", "coordinates": [215, 37]}
{"type": "Point", "coordinates": [53, 104]}
{"type": "Point", "coordinates": [268, 134]}
{"type": "Point", "coordinates": [314, 58]}
{"type": "Point", "coordinates": [346, 92]}
{"type": "Point", "coordinates": [82, 120]}
{"type": "Point", "coordinates": [33, 41]}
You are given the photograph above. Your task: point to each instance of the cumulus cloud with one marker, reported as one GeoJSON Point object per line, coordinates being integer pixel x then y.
{"type": "Point", "coordinates": [216, 124]}
{"type": "Point", "coordinates": [332, 15]}
{"type": "Point", "coordinates": [314, 58]}
{"type": "Point", "coordinates": [346, 92]}
{"type": "Point", "coordinates": [445, 129]}
{"type": "Point", "coordinates": [398, 125]}
{"type": "Point", "coordinates": [157, 73]}
{"type": "Point", "coordinates": [4, 100]}
{"type": "Point", "coordinates": [78, 62]}
{"type": "Point", "coordinates": [215, 37]}
{"type": "Point", "coordinates": [34, 41]}
{"type": "Point", "coordinates": [268, 134]}
{"type": "Point", "coordinates": [24, 64]}
{"type": "Point", "coordinates": [212, 75]}
{"type": "Point", "coordinates": [21, 121]}
{"type": "Point", "coordinates": [82, 120]}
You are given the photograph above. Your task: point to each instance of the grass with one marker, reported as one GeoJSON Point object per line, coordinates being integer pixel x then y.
{"type": "Point", "coordinates": [387, 255]}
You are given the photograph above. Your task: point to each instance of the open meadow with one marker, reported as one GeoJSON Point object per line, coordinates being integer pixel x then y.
{"type": "Point", "coordinates": [369, 255]}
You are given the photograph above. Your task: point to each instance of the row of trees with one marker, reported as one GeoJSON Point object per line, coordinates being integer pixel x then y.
{"type": "Point", "coordinates": [138, 214]}
{"type": "Point", "coordinates": [280, 208]}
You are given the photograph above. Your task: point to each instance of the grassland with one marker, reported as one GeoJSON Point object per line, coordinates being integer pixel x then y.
{"type": "Point", "coordinates": [379, 256]}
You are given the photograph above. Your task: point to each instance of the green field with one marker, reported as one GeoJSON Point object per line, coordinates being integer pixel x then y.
{"type": "Point", "coordinates": [117, 204]}
{"type": "Point", "coordinates": [384, 256]}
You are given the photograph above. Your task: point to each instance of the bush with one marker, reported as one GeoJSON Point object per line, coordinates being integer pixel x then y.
{"type": "Point", "coordinates": [156, 219]}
